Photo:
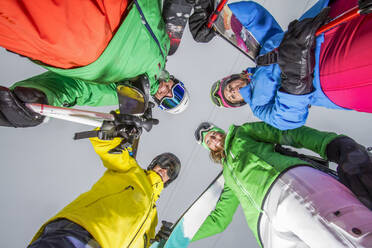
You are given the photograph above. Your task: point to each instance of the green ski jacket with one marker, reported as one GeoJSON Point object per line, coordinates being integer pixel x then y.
{"type": "Point", "coordinates": [250, 168]}
{"type": "Point", "coordinates": [139, 46]}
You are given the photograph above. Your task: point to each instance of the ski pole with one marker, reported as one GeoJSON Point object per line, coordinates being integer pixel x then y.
{"type": "Point", "coordinates": [346, 16]}
{"type": "Point", "coordinates": [85, 117]}
{"type": "Point", "coordinates": [215, 13]}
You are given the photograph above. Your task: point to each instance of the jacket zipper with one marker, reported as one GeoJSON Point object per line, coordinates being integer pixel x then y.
{"type": "Point", "coordinates": [241, 186]}
{"type": "Point", "coordinates": [148, 27]}
{"type": "Point", "coordinates": [147, 216]}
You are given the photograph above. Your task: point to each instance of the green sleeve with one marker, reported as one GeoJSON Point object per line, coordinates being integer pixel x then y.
{"type": "Point", "coordinates": [302, 137]}
{"type": "Point", "coordinates": [66, 92]}
{"type": "Point", "coordinates": [220, 217]}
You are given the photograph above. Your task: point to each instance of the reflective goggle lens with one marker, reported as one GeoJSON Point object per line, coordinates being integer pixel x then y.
{"type": "Point", "coordinates": [216, 98]}
{"type": "Point", "coordinates": [178, 94]}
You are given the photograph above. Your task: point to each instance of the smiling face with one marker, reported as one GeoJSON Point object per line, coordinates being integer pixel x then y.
{"type": "Point", "coordinates": [231, 91]}
{"type": "Point", "coordinates": [165, 89]}
{"type": "Point", "coordinates": [214, 140]}
{"type": "Point", "coordinates": [163, 173]}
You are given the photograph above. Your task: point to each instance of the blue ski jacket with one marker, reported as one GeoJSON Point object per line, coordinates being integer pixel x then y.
{"type": "Point", "coordinates": [279, 109]}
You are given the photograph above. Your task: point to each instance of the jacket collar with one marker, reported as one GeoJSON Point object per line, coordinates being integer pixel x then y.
{"type": "Point", "coordinates": [229, 137]}
{"type": "Point", "coordinates": [155, 181]}
{"type": "Point", "coordinates": [228, 141]}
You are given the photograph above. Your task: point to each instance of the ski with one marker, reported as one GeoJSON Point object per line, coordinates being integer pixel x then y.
{"type": "Point", "coordinates": [176, 13]}
{"type": "Point", "coordinates": [227, 26]}
{"type": "Point", "coordinates": [230, 29]}
{"type": "Point", "coordinates": [191, 220]}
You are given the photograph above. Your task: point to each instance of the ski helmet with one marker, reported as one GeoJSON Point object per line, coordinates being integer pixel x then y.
{"type": "Point", "coordinates": [167, 161]}
{"type": "Point", "coordinates": [202, 131]}
{"type": "Point", "coordinates": [218, 88]}
{"type": "Point", "coordinates": [179, 100]}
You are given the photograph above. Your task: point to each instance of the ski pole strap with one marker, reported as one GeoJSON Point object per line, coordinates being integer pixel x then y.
{"type": "Point", "coordinates": [268, 58]}
{"type": "Point", "coordinates": [86, 134]}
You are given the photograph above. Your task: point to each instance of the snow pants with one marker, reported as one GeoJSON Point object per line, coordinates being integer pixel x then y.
{"type": "Point", "coordinates": [60, 33]}
{"type": "Point", "coordinates": [63, 233]}
{"type": "Point", "coordinates": [346, 60]}
{"type": "Point", "coordinates": [308, 208]}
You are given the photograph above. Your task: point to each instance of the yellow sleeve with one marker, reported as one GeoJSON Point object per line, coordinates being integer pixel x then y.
{"type": "Point", "coordinates": [117, 162]}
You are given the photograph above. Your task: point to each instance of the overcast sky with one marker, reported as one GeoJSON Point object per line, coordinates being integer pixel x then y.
{"type": "Point", "coordinates": [43, 169]}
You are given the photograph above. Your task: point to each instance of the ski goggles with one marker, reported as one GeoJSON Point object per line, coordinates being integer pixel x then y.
{"type": "Point", "coordinates": [167, 164]}
{"type": "Point", "coordinates": [178, 92]}
{"type": "Point", "coordinates": [217, 89]}
{"type": "Point", "coordinates": [216, 94]}
{"type": "Point", "coordinates": [203, 130]}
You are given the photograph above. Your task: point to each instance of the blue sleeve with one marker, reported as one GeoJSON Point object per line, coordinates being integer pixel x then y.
{"type": "Point", "coordinates": [279, 109]}
{"type": "Point", "coordinates": [287, 111]}
{"type": "Point", "coordinates": [256, 19]}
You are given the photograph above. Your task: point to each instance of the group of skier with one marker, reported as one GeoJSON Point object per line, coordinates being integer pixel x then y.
{"type": "Point", "coordinates": [289, 199]}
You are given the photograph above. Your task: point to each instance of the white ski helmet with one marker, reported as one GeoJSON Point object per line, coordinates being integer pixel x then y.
{"type": "Point", "coordinates": [178, 102]}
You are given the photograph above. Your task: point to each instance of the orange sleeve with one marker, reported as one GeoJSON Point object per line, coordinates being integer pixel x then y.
{"type": "Point", "coordinates": [60, 33]}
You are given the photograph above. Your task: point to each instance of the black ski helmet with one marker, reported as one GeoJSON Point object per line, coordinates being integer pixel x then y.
{"type": "Point", "coordinates": [167, 161]}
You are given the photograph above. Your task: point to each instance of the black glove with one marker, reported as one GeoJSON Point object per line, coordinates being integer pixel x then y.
{"type": "Point", "coordinates": [365, 6]}
{"type": "Point", "coordinates": [296, 57]}
{"type": "Point", "coordinates": [164, 232]}
{"type": "Point", "coordinates": [145, 121]}
{"type": "Point", "coordinates": [354, 167]}
{"type": "Point", "coordinates": [199, 19]}
{"type": "Point", "coordinates": [13, 111]}
{"type": "Point", "coordinates": [109, 130]}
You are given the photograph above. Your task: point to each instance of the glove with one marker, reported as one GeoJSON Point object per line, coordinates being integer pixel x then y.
{"type": "Point", "coordinates": [354, 167]}
{"type": "Point", "coordinates": [199, 19]}
{"type": "Point", "coordinates": [296, 57]}
{"type": "Point", "coordinates": [109, 130]}
{"type": "Point", "coordinates": [164, 232]}
{"type": "Point", "coordinates": [365, 7]}
{"type": "Point", "coordinates": [146, 121]}
{"type": "Point", "coordinates": [13, 111]}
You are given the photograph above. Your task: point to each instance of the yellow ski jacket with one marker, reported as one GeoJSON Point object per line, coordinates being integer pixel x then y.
{"type": "Point", "coordinates": [119, 210]}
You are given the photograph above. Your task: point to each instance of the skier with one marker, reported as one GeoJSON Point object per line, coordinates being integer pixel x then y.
{"type": "Point", "coordinates": [288, 203]}
{"type": "Point", "coordinates": [88, 48]}
{"type": "Point", "coordinates": [119, 210]}
{"type": "Point", "coordinates": [295, 70]}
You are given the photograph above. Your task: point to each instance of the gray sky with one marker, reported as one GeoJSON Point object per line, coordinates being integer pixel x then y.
{"type": "Point", "coordinates": [43, 169]}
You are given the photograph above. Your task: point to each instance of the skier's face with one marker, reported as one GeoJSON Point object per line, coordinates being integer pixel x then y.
{"type": "Point", "coordinates": [163, 173]}
{"type": "Point", "coordinates": [214, 141]}
{"type": "Point", "coordinates": [165, 89]}
{"type": "Point", "coordinates": [231, 91]}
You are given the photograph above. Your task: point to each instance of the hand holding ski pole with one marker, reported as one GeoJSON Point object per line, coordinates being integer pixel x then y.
{"type": "Point", "coordinates": [145, 121]}
{"type": "Point", "coordinates": [13, 110]}
{"type": "Point", "coordinates": [354, 167]}
{"type": "Point", "coordinates": [164, 232]}
{"type": "Point", "coordinates": [296, 55]}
